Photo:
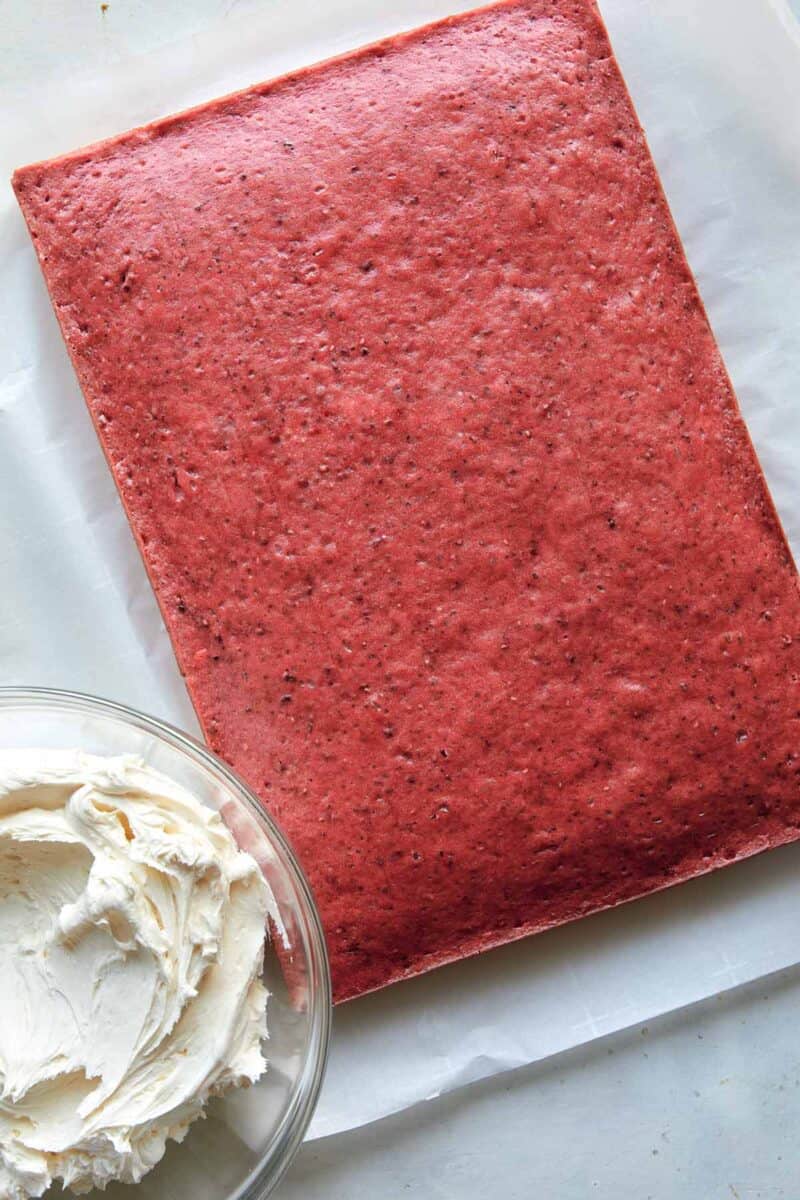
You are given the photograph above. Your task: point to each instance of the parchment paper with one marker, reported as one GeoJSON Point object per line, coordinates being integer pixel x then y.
{"type": "Point", "coordinates": [717, 86]}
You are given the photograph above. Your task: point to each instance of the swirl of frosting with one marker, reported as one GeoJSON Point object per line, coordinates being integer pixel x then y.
{"type": "Point", "coordinates": [132, 934]}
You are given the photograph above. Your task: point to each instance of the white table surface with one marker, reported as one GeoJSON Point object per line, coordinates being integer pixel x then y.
{"type": "Point", "coordinates": [721, 1125]}
{"type": "Point", "coordinates": [702, 1104]}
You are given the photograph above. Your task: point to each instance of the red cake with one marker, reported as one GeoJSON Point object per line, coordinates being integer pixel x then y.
{"type": "Point", "coordinates": [439, 479]}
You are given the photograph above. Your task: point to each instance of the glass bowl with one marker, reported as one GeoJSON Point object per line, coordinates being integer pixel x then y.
{"type": "Point", "coordinates": [249, 1137]}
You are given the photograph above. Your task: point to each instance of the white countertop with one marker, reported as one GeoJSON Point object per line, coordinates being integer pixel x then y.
{"type": "Point", "coordinates": [700, 1105]}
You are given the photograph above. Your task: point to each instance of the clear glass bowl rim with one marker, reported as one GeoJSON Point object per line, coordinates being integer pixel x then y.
{"type": "Point", "coordinates": [287, 1137]}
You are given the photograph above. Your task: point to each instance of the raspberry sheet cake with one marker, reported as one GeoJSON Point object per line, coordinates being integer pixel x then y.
{"type": "Point", "coordinates": [439, 479]}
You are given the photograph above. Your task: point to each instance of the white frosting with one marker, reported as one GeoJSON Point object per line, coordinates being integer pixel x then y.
{"type": "Point", "coordinates": [131, 944]}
